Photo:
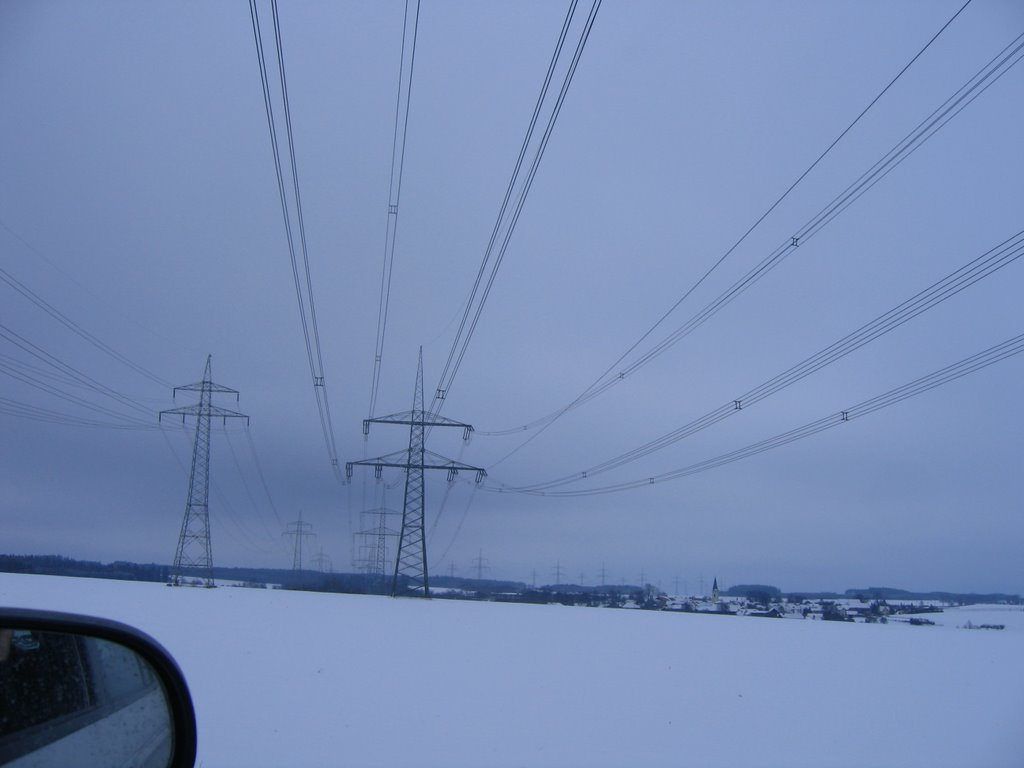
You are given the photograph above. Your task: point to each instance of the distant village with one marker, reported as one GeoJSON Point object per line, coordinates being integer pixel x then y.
{"type": "Point", "coordinates": [870, 606]}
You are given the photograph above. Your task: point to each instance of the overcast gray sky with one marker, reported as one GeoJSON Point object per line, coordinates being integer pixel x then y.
{"type": "Point", "coordinates": [138, 197]}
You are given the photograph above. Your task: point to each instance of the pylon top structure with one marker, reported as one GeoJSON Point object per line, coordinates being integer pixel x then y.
{"type": "Point", "coordinates": [411, 572]}
{"type": "Point", "coordinates": [194, 555]}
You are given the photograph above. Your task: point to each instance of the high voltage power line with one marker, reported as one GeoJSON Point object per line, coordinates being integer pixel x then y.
{"type": "Point", "coordinates": [263, 479]}
{"type": "Point", "coordinates": [124, 421]}
{"type": "Point", "coordinates": [58, 373]}
{"type": "Point", "coordinates": [987, 76]}
{"type": "Point", "coordinates": [52, 375]}
{"type": "Point", "coordinates": [82, 287]}
{"type": "Point", "coordinates": [919, 386]}
{"type": "Point", "coordinates": [316, 366]}
{"type": "Point", "coordinates": [977, 269]}
{"type": "Point", "coordinates": [248, 492]}
{"type": "Point", "coordinates": [394, 195]}
{"type": "Point", "coordinates": [69, 373]}
{"type": "Point", "coordinates": [458, 528]}
{"type": "Point", "coordinates": [24, 410]}
{"type": "Point", "coordinates": [245, 484]}
{"type": "Point", "coordinates": [71, 325]}
{"type": "Point", "coordinates": [467, 326]}
{"type": "Point", "coordinates": [44, 381]}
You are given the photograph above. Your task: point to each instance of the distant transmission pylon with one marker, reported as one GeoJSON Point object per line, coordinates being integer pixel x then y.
{"type": "Point", "coordinates": [481, 565]}
{"type": "Point", "coordinates": [411, 563]}
{"type": "Point", "coordinates": [299, 530]}
{"type": "Point", "coordinates": [375, 561]}
{"type": "Point", "coordinates": [194, 554]}
{"type": "Point", "coordinates": [323, 562]}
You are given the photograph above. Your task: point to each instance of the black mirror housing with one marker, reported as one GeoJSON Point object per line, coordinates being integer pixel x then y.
{"type": "Point", "coordinates": [28, 624]}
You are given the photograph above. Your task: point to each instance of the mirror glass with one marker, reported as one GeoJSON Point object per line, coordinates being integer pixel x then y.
{"type": "Point", "coordinates": [68, 699]}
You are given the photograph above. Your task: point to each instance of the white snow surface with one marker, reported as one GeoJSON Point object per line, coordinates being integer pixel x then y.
{"type": "Point", "coordinates": [283, 678]}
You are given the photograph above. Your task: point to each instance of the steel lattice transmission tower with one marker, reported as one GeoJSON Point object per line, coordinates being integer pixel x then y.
{"type": "Point", "coordinates": [194, 554]}
{"type": "Point", "coordinates": [299, 530]}
{"type": "Point", "coordinates": [375, 560]}
{"type": "Point", "coordinates": [411, 563]}
{"type": "Point", "coordinates": [323, 561]}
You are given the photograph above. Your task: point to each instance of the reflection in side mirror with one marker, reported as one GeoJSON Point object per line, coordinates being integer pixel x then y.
{"type": "Point", "coordinates": [86, 692]}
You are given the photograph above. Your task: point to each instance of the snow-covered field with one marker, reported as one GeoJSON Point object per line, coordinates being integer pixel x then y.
{"type": "Point", "coordinates": [293, 678]}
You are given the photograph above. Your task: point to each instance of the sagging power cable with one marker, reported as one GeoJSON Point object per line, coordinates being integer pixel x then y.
{"type": "Point", "coordinates": [977, 269]}
{"type": "Point", "coordinates": [919, 386]}
{"type": "Point", "coordinates": [74, 327]}
{"type": "Point", "coordinates": [394, 192]}
{"type": "Point", "coordinates": [508, 221]}
{"type": "Point", "coordinates": [307, 306]}
{"type": "Point", "coordinates": [975, 86]}
{"type": "Point", "coordinates": [69, 372]}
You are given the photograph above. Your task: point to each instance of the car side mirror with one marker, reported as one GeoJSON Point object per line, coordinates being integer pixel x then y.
{"type": "Point", "coordinates": [82, 691]}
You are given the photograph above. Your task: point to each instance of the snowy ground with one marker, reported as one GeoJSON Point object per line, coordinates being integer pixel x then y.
{"type": "Point", "coordinates": [293, 678]}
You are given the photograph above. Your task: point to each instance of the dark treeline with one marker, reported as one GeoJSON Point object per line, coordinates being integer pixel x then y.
{"type": "Point", "coordinates": [57, 565]}
{"type": "Point", "coordinates": [457, 587]}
